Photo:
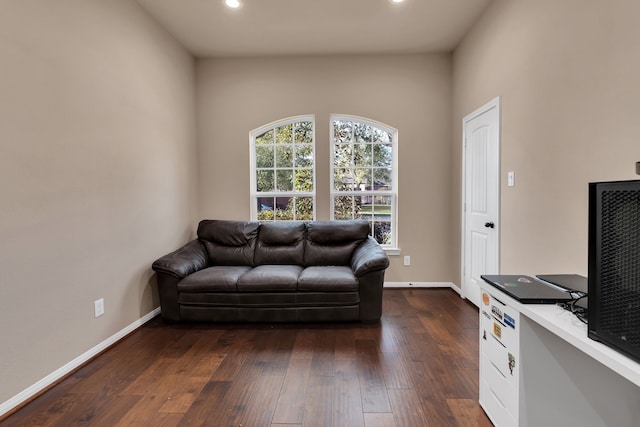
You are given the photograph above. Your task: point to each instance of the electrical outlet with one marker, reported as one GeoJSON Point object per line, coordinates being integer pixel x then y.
{"type": "Point", "coordinates": [407, 260]}
{"type": "Point", "coordinates": [98, 307]}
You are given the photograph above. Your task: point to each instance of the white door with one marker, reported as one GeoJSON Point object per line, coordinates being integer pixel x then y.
{"type": "Point", "coordinates": [481, 191]}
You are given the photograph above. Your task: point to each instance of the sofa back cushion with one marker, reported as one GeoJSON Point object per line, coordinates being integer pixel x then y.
{"type": "Point", "coordinates": [333, 242]}
{"type": "Point", "coordinates": [280, 243]}
{"type": "Point", "coordinates": [229, 242]}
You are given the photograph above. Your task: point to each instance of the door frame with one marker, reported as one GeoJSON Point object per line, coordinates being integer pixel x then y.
{"type": "Point", "coordinates": [494, 103]}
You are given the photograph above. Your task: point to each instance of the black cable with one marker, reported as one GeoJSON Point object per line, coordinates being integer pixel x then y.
{"type": "Point", "coordinates": [579, 312]}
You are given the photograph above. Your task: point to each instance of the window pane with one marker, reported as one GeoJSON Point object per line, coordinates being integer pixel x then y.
{"type": "Point", "coordinates": [265, 208]}
{"type": "Point", "coordinates": [342, 155]}
{"type": "Point", "coordinates": [342, 131]}
{"type": "Point", "coordinates": [382, 178]}
{"type": "Point", "coordinates": [265, 138]}
{"type": "Point", "coordinates": [382, 208]}
{"type": "Point", "coordinates": [304, 132]}
{"type": "Point", "coordinates": [284, 211]}
{"type": "Point", "coordinates": [304, 156]}
{"type": "Point", "coordinates": [382, 232]}
{"type": "Point", "coordinates": [343, 179]}
{"type": "Point", "coordinates": [264, 180]}
{"type": "Point", "coordinates": [343, 207]}
{"type": "Point", "coordinates": [304, 208]}
{"type": "Point", "coordinates": [304, 180]}
{"type": "Point", "coordinates": [284, 134]}
{"type": "Point", "coordinates": [363, 179]}
{"type": "Point", "coordinates": [264, 156]}
{"type": "Point", "coordinates": [284, 156]}
{"type": "Point", "coordinates": [381, 137]}
{"type": "Point", "coordinates": [362, 133]}
{"type": "Point", "coordinates": [284, 180]}
{"type": "Point", "coordinates": [362, 155]}
{"type": "Point", "coordinates": [361, 208]}
{"type": "Point", "coordinates": [382, 155]}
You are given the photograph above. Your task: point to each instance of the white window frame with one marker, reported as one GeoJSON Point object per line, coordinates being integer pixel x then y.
{"type": "Point", "coordinates": [255, 194]}
{"type": "Point", "coordinates": [392, 247]}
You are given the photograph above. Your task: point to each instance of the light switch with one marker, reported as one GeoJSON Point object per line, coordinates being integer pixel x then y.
{"type": "Point", "coordinates": [511, 179]}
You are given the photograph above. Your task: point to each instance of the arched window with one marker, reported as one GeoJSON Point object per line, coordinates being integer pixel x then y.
{"type": "Point", "coordinates": [364, 174]}
{"type": "Point", "coordinates": [283, 170]}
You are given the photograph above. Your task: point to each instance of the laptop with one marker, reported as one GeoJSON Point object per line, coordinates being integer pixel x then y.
{"type": "Point", "coordinates": [570, 282]}
{"type": "Point", "coordinates": [526, 289]}
{"type": "Point", "coordinates": [579, 285]}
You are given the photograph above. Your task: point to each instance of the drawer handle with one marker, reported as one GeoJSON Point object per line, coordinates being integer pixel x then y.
{"type": "Point", "coordinates": [495, 396]}
{"type": "Point", "coordinates": [499, 371]}
{"type": "Point", "coordinates": [499, 301]}
{"type": "Point", "coordinates": [498, 341]}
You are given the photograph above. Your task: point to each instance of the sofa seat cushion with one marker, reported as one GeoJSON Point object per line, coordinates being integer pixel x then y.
{"type": "Point", "coordinates": [213, 279]}
{"type": "Point", "coordinates": [269, 278]}
{"type": "Point", "coordinates": [327, 279]}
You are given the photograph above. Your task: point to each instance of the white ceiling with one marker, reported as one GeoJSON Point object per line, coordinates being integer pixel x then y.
{"type": "Point", "coordinates": [207, 28]}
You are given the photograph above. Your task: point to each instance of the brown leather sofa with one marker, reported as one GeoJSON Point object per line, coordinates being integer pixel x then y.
{"type": "Point", "coordinates": [274, 272]}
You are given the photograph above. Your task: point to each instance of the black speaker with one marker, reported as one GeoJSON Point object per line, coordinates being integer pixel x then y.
{"type": "Point", "coordinates": [614, 265]}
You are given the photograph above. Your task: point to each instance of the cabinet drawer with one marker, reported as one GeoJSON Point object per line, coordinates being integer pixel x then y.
{"type": "Point", "coordinates": [494, 408]}
{"type": "Point", "coordinates": [502, 358]}
{"type": "Point", "coordinates": [502, 388]}
{"type": "Point", "coordinates": [501, 321]}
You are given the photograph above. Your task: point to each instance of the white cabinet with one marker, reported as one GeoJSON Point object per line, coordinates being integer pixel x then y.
{"type": "Point", "coordinates": [499, 359]}
{"type": "Point", "coordinates": [539, 368]}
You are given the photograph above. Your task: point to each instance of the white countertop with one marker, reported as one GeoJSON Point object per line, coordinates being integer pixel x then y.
{"type": "Point", "coordinates": [566, 326]}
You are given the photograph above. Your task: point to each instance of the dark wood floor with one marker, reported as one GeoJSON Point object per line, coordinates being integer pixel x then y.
{"type": "Point", "coordinates": [418, 367]}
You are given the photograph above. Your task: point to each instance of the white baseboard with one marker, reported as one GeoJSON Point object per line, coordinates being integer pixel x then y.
{"type": "Point", "coordinates": [451, 285]}
{"type": "Point", "coordinates": [419, 285]}
{"type": "Point", "coordinates": [457, 289]}
{"type": "Point", "coordinates": [74, 364]}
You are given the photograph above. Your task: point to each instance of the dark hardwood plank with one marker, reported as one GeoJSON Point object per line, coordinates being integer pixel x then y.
{"type": "Point", "coordinates": [395, 372]}
{"type": "Point", "coordinates": [324, 351]}
{"type": "Point", "coordinates": [259, 407]}
{"type": "Point", "coordinates": [372, 385]}
{"type": "Point", "coordinates": [207, 406]}
{"type": "Point", "coordinates": [407, 410]}
{"type": "Point", "coordinates": [318, 408]}
{"type": "Point", "coordinates": [347, 405]}
{"type": "Point", "coordinates": [467, 412]}
{"type": "Point", "coordinates": [419, 366]}
{"type": "Point", "coordinates": [439, 414]}
{"type": "Point", "coordinates": [291, 401]}
{"type": "Point", "coordinates": [345, 345]}
{"type": "Point", "coordinates": [381, 419]}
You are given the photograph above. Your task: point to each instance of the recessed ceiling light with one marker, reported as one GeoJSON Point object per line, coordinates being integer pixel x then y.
{"type": "Point", "coordinates": [397, 1]}
{"type": "Point", "coordinates": [234, 3]}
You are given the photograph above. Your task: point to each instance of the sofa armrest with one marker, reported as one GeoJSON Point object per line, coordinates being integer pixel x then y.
{"type": "Point", "coordinates": [368, 256]}
{"type": "Point", "coordinates": [184, 261]}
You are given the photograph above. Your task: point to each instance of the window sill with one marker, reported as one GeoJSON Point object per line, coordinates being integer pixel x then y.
{"type": "Point", "coordinates": [392, 251]}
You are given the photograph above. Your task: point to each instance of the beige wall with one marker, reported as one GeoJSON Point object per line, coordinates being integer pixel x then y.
{"type": "Point", "coordinates": [567, 73]}
{"type": "Point", "coordinates": [409, 92]}
{"type": "Point", "coordinates": [97, 175]}
{"type": "Point", "coordinates": [98, 162]}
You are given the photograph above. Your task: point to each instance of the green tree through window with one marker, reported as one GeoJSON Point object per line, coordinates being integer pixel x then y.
{"type": "Point", "coordinates": [363, 178]}
{"type": "Point", "coordinates": [283, 178]}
